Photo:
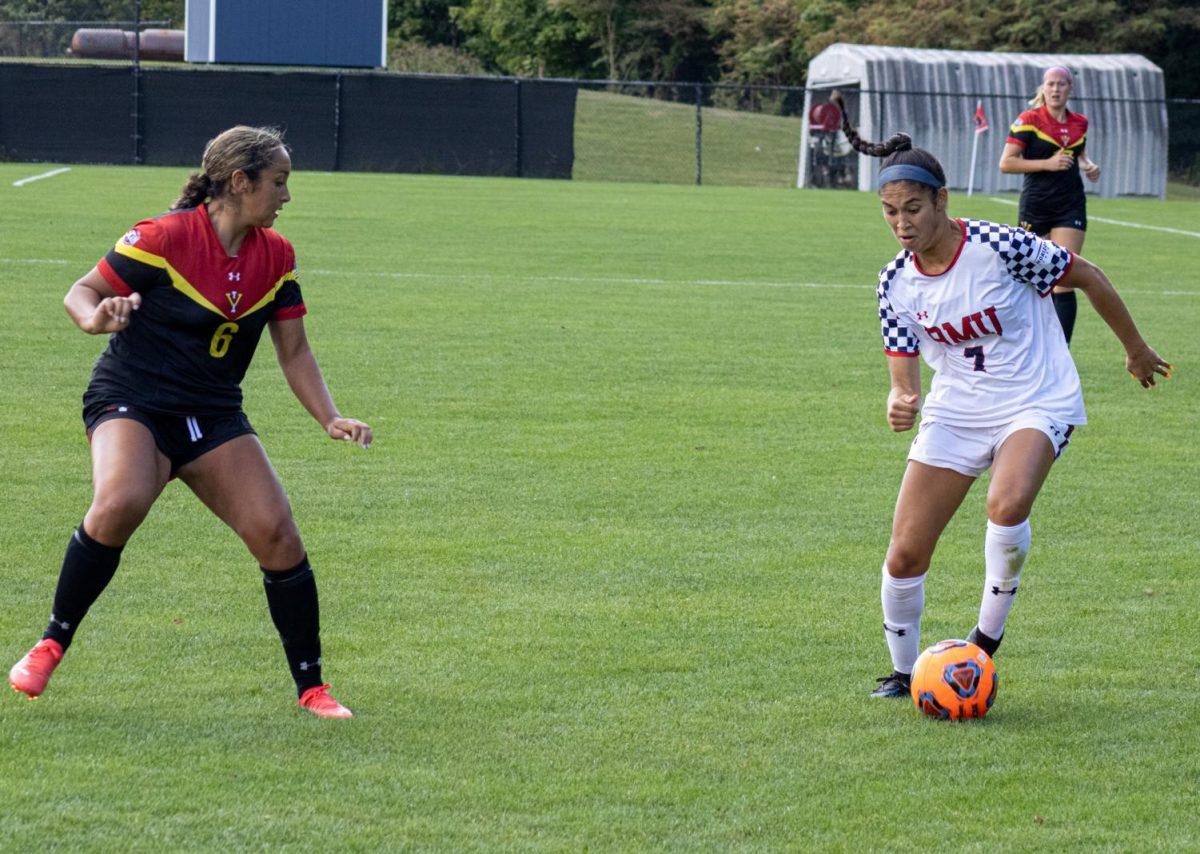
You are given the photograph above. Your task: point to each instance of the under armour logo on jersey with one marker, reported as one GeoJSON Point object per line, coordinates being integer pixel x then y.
{"type": "Point", "coordinates": [234, 298]}
{"type": "Point", "coordinates": [897, 632]}
{"type": "Point", "coordinates": [996, 591]}
{"type": "Point", "coordinates": [922, 315]}
{"type": "Point", "coordinates": [235, 277]}
{"type": "Point", "coordinates": [306, 665]}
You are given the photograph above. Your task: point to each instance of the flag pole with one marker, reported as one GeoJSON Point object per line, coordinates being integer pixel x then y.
{"type": "Point", "coordinates": [974, 152]}
{"type": "Point", "coordinates": [981, 125]}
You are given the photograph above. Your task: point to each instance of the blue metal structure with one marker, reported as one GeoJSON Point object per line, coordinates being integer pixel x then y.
{"type": "Point", "coordinates": [339, 33]}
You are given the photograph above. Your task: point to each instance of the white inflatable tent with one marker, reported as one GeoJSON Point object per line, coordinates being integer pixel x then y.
{"type": "Point", "coordinates": [932, 95]}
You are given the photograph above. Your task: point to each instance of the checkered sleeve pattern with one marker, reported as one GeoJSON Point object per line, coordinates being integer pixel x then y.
{"type": "Point", "coordinates": [898, 339]}
{"type": "Point", "coordinates": [1029, 259]}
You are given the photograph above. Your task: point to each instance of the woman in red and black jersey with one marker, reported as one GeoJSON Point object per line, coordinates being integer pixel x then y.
{"type": "Point", "coordinates": [1046, 145]}
{"type": "Point", "coordinates": [186, 297]}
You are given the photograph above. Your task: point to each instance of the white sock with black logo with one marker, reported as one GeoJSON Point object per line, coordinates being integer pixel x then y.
{"type": "Point", "coordinates": [903, 604]}
{"type": "Point", "coordinates": [1004, 551]}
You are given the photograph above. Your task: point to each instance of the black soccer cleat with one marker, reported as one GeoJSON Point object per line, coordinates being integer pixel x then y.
{"type": "Point", "coordinates": [985, 643]}
{"type": "Point", "coordinates": [895, 685]}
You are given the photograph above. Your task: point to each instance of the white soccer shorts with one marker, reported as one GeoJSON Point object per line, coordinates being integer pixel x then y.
{"type": "Point", "coordinates": [970, 450]}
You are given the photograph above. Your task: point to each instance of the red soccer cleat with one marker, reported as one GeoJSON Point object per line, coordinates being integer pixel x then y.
{"type": "Point", "coordinates": [31, 673]}
{"type": "Point", "coordinates": [318, 701]}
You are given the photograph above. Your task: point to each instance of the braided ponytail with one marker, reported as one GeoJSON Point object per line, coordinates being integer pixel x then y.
{"type": "Point", "coordinates": [897, 150]}
{"type": "Point", "coordinates": [194, 193]}
{"type": "Point", "coordinates": [896, 142]}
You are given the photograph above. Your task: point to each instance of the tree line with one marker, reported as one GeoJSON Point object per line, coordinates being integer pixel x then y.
{"type": "Point", "coordinates": [730, 41]}
{"type": "Point", "coordinates": [772, 41]}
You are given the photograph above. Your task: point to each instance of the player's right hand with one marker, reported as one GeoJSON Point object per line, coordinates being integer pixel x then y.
{"type": "Point", "coordinates": [113, 314]}
{"type": "Point", "coordinates": [902, 411]}
{"type": "Point", "coordinates": [1060, 162]}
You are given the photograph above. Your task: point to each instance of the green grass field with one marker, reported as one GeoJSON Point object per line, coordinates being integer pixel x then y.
{"type": "Point", "coordinates": [625, 138]}
{"type": "Point", "coordinates": [609, 578]}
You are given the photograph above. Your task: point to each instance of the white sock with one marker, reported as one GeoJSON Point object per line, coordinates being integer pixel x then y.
{"type": "Point", "coordinates": [903, 603]}
{"type": "Point", "coordinates": [1004, 551]}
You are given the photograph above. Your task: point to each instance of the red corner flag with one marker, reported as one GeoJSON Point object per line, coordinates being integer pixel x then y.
{"type": "Point", "coordinates": [981, 122]}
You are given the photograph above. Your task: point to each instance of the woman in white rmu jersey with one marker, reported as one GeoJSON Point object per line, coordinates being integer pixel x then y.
{"type": "Point", "coordinates": [972, 298]}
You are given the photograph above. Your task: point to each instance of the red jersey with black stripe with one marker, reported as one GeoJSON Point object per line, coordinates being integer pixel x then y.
{"type": "Point", "coordinates": [1041, 136]}
{"type": "Point", "coordinates": [203, 311]}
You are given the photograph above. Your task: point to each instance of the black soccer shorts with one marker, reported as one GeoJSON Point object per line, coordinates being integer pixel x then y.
{"type": "Point", "coordinates": [180, 438]}
{"type": "Point", "coordinates": [1040, 222]}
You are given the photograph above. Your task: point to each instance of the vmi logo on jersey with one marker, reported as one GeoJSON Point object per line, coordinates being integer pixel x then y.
{"type": "Point", "coordinates": [131, 237]}
{"type": "Point", "coordinates": [972, 327]}
{"type": "Point", "coordinates": [234, 298]}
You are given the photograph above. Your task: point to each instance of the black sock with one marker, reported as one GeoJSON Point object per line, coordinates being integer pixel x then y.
{"type": "Point", "coordinates": [984, 642]}
{"type": "Point", "coordinates": [292, 600]}
{"type": "Point", "coordinates": [1065, 306]}
{"type": "Point", "coordinates": [87, 568]}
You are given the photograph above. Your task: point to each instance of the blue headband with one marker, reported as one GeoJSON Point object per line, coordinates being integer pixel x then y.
{"type": "Point", "coordinates": [907, 172]}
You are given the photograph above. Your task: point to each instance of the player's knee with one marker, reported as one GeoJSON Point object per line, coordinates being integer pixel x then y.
{"type": "Point", "coordinates": [1008, 510]}
{"type": "Point", "coordinates": [114, 516]}
{"type": "Point", "coordinates": [906, 561]}
{"type": "Point", "coordinates": [273, 536]}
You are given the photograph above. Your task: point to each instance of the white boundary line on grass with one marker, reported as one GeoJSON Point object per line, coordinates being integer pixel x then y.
{"type": "Point", "coordinates": [378, 274]}
{"type": "Point", "coordinates": [585, 280]}
{"type": "Point", "coordinates": [620, 280]}
{"type": "Point", "coordinates": [33, 178]}
{"type": "Point", "coordinates": [1119, 221]}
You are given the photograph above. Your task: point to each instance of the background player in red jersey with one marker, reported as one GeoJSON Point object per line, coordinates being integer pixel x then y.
{"type": "Point", "coordinates": [1046, 145]}
{"type": "Point", "coordinates": [187, 296]}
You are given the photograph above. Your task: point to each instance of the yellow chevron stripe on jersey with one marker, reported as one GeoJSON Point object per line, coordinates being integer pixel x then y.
{"type": "Point", "coordinates": [141, 255]}
{"type": "Point", "coordinates": [187, 288]}
{"type": "Point", "coordinates": [177, 280]}
{"type": "Point", "coordinates": [1018, 128]}
{"type": "Point", "coordinates": [270, 295]}
{"type": "Point", "coordinates": [1037, 132]}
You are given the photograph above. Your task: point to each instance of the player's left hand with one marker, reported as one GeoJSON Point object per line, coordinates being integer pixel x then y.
{"type": "Point", "coordinates": [350, 430]}
{"type": "Point", "coordinates": [1145, 363]}
{"type": "Point", "coordinates": [1091, 170]}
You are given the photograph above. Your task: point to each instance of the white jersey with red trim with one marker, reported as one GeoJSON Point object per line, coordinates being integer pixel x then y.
{"type": "Point", "coordinates": [986, 327]}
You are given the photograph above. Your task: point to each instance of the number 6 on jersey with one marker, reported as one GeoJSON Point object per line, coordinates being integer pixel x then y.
{"type": "Point", "coordinates": [221, 339]}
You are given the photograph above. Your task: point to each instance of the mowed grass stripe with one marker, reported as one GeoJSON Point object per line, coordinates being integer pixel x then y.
{"type": "Point", "coordinates": [609, 577]}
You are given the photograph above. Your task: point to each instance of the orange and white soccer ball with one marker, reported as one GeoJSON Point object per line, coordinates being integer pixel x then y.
{"type": "Point", "coordinates": [954, 679]}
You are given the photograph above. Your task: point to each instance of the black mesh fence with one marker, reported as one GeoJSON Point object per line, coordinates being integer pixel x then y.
{"type": "Point", "coordinates": [358, 121]}
{"type": "Point", "coordinates": [183, 108]}
{"type": "Point", "coordinates": [74, 114]}
{"type": "Point", "coordinates": [1183, 146]}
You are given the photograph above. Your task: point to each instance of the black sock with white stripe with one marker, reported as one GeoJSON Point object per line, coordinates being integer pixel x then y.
{"type": "Point", "coordinates": [292, 600]}
{"type": "Point", "coordinates": [87, 568]}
